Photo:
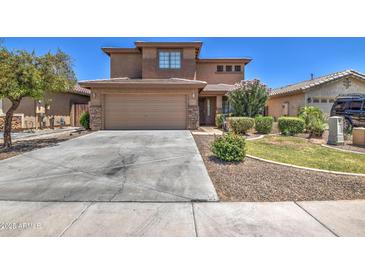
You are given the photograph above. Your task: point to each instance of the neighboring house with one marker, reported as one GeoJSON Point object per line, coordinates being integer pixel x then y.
{"type": "Point", "coordinates": [319, 92]}
{"type": "Point", "coordinates": [64, 107]}
{"type": "Point", "coordinates": [162, 86]}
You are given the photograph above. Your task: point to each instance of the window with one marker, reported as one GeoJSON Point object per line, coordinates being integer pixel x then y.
{"type": "Point", "coordinates": [225, 105]}
{"type": "Point", "coordinates": [331, 100]}
{"type": "Point", "coordinates": [309, 100]}
{"type": "Point", "coordinates": [219, 68]}
{"type": "Point", "coordinates": [237, 68]}
{"type": "Point", "coordinates": [323, 100]}
{"type": "Point", "coordinates": [315, 100]}
{"type": "Point", "coordinates": [169, 59]}
{"type": "Point", "coordinates": [164, 59]}
{"type": "Point", "coordinates": [175, 59]}
{"type": "Point", "coordinates": [229, 68]}
{"type": "Point", "coordinates": [356, 105]}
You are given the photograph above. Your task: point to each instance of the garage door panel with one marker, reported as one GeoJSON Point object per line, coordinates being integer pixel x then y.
{"type": "Point", "coordinates": [145, 111]}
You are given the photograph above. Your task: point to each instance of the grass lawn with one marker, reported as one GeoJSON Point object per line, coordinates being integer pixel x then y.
{"type": "Point", "coordinates": [301, 152]}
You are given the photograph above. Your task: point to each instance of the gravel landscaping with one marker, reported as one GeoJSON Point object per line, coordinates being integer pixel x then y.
{"type": "Point", "coordinates": [254, 180]}
{"type": "Point", "coordinates": [21, 146]}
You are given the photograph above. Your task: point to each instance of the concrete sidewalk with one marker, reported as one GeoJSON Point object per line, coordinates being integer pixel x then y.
{"type": "Point", "coordinates": [327, 218]}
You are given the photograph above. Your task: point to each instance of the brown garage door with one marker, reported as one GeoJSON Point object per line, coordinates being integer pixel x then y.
{"type": "Point", "coordinates": [145, 111]}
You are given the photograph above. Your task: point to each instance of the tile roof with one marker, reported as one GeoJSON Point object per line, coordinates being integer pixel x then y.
{"type": "Point", "coordinates": [80, 90]}
{"type": "Point", "coordinates": [304, 85]}
{"type": "Point", "coordinates": [218, 87]}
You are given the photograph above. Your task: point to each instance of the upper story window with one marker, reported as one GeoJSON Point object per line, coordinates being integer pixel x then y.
{"type": "Point", "coordinates": [169, 59]}
{"type": "Point", "coordinates": [229, 68]}
{"type": "Point", "coordinates": [220, 68]}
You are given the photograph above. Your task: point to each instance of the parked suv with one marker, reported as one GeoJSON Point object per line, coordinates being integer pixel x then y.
{"type": "Point", "coordinates": [352, 108]}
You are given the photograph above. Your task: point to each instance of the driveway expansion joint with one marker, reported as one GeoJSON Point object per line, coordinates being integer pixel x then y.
{"type": "Point", "coordinates": [194, 220]}
{"type": "Point", "coordinates": [76, 219]}
{"type": "Point", "coordinates": [321, 223]}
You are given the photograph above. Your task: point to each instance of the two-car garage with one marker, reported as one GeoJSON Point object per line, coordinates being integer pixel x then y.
{"type": "Point", "coordinates": [144, 111]}
{"type": "Point", "coordinates": [124, 103]}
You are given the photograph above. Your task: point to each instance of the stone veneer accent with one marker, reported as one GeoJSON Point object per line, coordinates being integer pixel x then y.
{"type": "Point", "coordinates": [16, 122]}
{"type": "Point", "coordinates": [95, 117]}
{"type": "Point", "coordinates": [193, 117]}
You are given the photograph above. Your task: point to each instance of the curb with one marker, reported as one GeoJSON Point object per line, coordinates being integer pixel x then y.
{"type": "Point", "coordinates": [307, 168]}
{"type": "Point", "coordinates": [255, 138]}
{"type": "Point", "coordinates": [344, 150]}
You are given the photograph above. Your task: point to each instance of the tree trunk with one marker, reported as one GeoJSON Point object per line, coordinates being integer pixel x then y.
{"type": "Point", "coordinates": [8, 122]}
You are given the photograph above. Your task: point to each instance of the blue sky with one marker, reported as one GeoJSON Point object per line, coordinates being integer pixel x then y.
{"type": "Point", "coordinates": [276, 61]}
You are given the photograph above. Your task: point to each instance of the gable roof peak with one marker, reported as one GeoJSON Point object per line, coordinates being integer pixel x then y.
{"type": "Point", "coordinates": [304, 85]}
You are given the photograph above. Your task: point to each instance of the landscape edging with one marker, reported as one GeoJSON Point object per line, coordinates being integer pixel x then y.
{"type": "Point", "coordinates": [344, 150]}
{"type": "Point", "coordinates": [307, 168]}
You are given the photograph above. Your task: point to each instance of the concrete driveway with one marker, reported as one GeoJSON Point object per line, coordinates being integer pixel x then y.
{"type": "Point", "coordinates": [110, 166]}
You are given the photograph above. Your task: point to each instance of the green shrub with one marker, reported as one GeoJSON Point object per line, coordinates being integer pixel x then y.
{"type": "Point", "coordinates": [240, 125]}
{"type": "Point", "coordinates": [219, 120]}
{"type": "Point", "coordinates": [229, 147]}
{"type": "Point", "coordinates": [85, 120]}
{"type": "Point", "coordinates": [291, 125]}
{"type": "Point", "coordinates": [314, 120]}
{"type": "Point", "coordinates": [248, 98]}
{"type": "Point", "coordinates": [316, 128]}
{"type": "Point", "coordinates": [263, 124]}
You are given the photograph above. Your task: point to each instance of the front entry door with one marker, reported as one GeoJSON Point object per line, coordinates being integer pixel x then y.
{"type": "Point", "coordinates": [207, 109]}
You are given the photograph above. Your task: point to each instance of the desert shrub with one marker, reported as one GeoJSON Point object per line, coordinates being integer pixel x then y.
{"type": "Point", "coordinates": [263, 124]}
{"type": "Point", "coordinates": [85, 120]}
{"type": "Point", "coordinates": [219, 120]}
{"type": "Point", "coordinates": [248, 98]}
{"type": "Point", "coordinates": [291, 125]}
{"type": "Point", "coordinates": [229, 147]}
{"type": "Point", "coordinates": [316, 128]}
{"type": "Point", "coordinates": [314, 120]}
{"type": "Point", "coordinates": [240, 125]}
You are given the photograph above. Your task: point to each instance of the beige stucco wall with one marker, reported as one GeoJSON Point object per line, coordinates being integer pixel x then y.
{"type": "Point", "coordinates": [60, 107]}
{"type": "Point", "coordinates": [208, 72]}
{"type": "Point", "coordinates": [145, 65]}
{"type": "Point", "coordinates": [150, 66]}
{"type": "Point", "coordinates": [327, 91]}
{"type": "Point", "coordinates": [333, 89]}
{"type": "Point", "coordinates": [275, 104]}
{"type": "Point", "coordinates": [126, 65]}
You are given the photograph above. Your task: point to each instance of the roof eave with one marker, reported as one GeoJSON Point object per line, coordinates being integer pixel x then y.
{"type": "Point", "coordinates": [225, 60]}
{"type": "Point", "coordinates": [109, 51]}
{"type": "Point", "coordinates": [143, 85]}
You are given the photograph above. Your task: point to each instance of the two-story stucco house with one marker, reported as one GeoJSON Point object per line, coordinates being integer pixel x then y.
{"type": "Point", "coordinates": [162, 86]}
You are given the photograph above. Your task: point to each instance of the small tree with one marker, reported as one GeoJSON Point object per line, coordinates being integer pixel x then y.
{"type": "Point", "coordinates": [24, 74]}
{"type": "Point", "coordinates": [314, 120]}
{"type": "Point", "coordinates": [248, 98]}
